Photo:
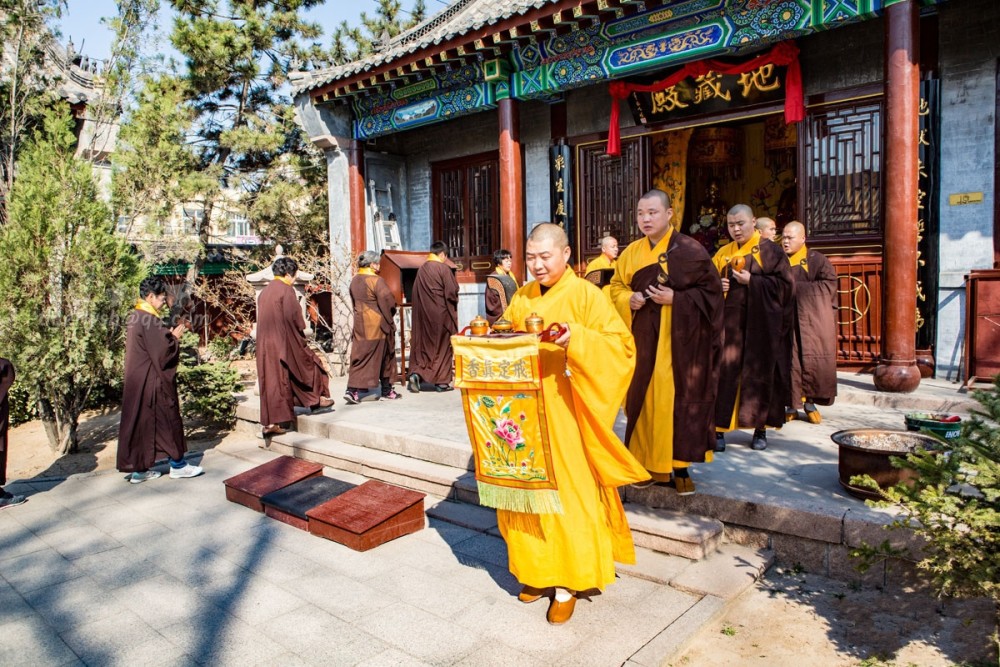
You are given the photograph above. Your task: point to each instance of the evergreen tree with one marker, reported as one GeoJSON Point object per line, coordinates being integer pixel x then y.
{"type": "Point", "coordinates": [952, 501]}
{"type": "Point", "coordinates": [68, 281]}
{"type": "Point", "coordinates": [351, 43]}
{"type": "Point", "coordinates": [223, 130]}
{"type": "Point", "coordinates": [26, 85]}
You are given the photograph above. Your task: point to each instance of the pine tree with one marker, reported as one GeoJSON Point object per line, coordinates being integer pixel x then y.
{"type": "Point", "coordinates": [228, 131]}
{"type": "Point", "coordinates": [351, 43]}
{"type": "Point", "coordinates": [953, 502]}
{"type": "Point", "coordinates": [67, 279]}
{"type": "Point", "coordinates": [26, 85]}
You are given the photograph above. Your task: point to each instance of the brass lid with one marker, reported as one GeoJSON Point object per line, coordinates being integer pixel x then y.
{"type": "Point", "coordinates": [503, 325]}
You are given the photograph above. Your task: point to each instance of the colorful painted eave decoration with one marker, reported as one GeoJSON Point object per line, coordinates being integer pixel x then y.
{"type": "Point", "coordinates": [424, 111]}
{"type": "Point", "coordinates": [673, 35]}
{"type": "Point", "coordinates": [679, 33]}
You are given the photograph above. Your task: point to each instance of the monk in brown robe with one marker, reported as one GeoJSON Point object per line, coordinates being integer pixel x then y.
{"type": "Point", "coordinates": [814, 326]}
{"type": "Point", "coordinates": [7, 499]}
{"type": "Point", "coordinates": [288, 372]}
{"type": "Point", "coordinates": [667, 289]}
{"type": "Point", "coordinates": [500, 286]}
{"type": "Point", "coordinates": [754, 379]}
{"type": "Point", "coordinates": [151, 416]}
{"type": "Point", "coordinates": [435, 320]}
{"type": "Point", "coordinates": [373, 343]}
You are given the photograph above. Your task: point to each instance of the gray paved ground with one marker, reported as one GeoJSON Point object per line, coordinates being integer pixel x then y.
{"type": "Point", "coordinates": [97, 571]}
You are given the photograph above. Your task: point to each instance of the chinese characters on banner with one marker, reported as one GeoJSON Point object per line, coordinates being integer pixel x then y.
{"type": "Point", "coordinates": [927, 216]}
{"type": "Point", "coordinates": [709, 93]}
{"type": "Point", "coordinates": [561, 186]}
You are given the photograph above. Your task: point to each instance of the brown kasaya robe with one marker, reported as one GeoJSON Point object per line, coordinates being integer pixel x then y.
{"type": "Point", "coordinates": [814, 340]}
{"type": "Point", "coordinates": [696, 345]}
{"type": "Point", "coordinates": [500, 288]}
{"type": "Point", "coordinates": [151, 416]}
{"type": "Point", "coordinates": [373, 343]}
{"type": "Point", "coordinates": [757, 337]}
{"type": "Point", "coordinates": [435, 320]}
{"type": "Point", "coordinates": [288, 372]}
{"type": "Point", "coordinates": [6, 381]}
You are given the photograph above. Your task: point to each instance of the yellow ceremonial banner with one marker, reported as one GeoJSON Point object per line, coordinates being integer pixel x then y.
{"type": "Point", "coordinates": [504, 408]}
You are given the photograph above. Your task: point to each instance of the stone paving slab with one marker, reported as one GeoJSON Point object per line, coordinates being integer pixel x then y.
{"type": "Point", "coordinates": [725, 574]}
{"type": "Point", "coordinates": [198, 580]}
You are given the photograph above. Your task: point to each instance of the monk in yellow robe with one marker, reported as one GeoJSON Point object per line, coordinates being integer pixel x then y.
{"type": "Point", "coordinates": [600, 269]}
{"type": "Point", "coordinates": [577, 549]}
{"type": "Point", "coordinates": [669, 292]}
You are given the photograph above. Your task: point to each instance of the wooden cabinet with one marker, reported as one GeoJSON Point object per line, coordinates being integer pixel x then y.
{"type": "Point", "coordinates": [982, 325]}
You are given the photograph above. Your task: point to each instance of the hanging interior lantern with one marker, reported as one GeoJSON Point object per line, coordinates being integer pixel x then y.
{"type": "Point", "coordinates": [717, 151]}
{"type": "Point", "coordinates": [780, 142]}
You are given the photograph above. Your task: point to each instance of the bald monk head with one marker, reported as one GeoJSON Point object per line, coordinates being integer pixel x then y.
{"type": "Point", "coordinates": [793, 237]}
{"type": "Point", "coordinates": [547, 253]}
{"type": "Point", "coordinates": [767, 228]}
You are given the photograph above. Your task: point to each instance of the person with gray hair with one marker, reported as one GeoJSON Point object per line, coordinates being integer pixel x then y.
{"type": "Point", "coordinates": [373, 341]}
{"type": "Point", "coordinates": [754, 378]}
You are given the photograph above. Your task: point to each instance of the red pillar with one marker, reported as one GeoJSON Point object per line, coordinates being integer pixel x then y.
{"type": "Point", "coordinates": [511, 185]}
{"type": "Point", "coordinates": [356, 188]}
{"type": "Point", "coordinates": [897, 368]}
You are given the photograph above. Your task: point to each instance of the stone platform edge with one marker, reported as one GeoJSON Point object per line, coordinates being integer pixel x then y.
{"type": "Point", "coordinates": [815, 542]}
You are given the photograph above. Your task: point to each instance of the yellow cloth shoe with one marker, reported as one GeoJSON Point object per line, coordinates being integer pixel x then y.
{"type": "Point", "coordinates": [560, 612]}
{"type": "Point", "coordinates": [791, 415]}
{"type": "Point", "coordinates": [684, 486]}
{"type": "Point", "coordinates": [530, 594]}
{"type": "Point", "coordinates": [813, 416]}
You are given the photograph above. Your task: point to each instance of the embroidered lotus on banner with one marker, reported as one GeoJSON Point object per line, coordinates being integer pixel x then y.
{"type": "Point", "coordinates": [505, 414]}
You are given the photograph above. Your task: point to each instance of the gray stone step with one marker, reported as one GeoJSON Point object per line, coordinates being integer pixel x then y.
{"type": "Point", "coordinates": [374, 436]}
{"type": "Point", "coordinates": [675, 533]}
{"type": "Point", "coordinates": [419, 475]}
{"type": "Point", "coordinates": [663, 531]}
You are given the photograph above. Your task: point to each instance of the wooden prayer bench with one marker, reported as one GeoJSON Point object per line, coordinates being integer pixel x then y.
{"type": "Point", "coordinates": [290, 504]}
{"type": "Point", "coordinates": [368, 515]}
{"type": "Point", "coordinates": [247, 488]}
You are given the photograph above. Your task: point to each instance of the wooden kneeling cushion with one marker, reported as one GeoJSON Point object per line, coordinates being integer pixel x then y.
{"type": "Point", "coordinates": [290, 504]}
{"type": "Point", "coordinates": [248, 487]}
{"type": "Point", "coordinates": [368, 515]}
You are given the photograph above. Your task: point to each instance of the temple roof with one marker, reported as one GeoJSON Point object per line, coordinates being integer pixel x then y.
{"type": "Point", "coordinates": [461, 18]}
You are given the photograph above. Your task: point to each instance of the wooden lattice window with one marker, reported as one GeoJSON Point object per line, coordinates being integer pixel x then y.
{"type": "Point", "coordinates": [466, 198]}
{"type": "Point", "coordinates": [842, 170]}
{"type": "Point", "coordinates": [610, 189]}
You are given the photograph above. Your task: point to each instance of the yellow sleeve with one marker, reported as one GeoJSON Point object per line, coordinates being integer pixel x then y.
{"type": "Point", "coordinates": [620, 289]}
{"type": "Point", "coordinates": [599, 388]}
{"type": "Point", "coordinates": [721, 258]}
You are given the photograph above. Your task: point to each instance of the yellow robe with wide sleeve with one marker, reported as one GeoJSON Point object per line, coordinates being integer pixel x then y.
{"type": "Point", "coordinates": [600, 263]}
{"type": "Point", "coordinates": [577, 549]}
{"type": "Point", "coordinates": [652, 440]}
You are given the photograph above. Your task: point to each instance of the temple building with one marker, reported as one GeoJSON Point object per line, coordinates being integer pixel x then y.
{"type": "Point", "coordinates": [871, 121]}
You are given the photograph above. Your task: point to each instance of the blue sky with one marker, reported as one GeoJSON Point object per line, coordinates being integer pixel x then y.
{"type": "Point", "coordinates": [82, 21]}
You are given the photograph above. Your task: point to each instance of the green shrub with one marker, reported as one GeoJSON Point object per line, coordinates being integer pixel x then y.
{"type": "Point", "coordinates": [954, 504]}
{"type": "Point", "coordinates": [221, 347]}
{"type": "Point", "coordinates": [207, 392]}
{"type": "Point", "coordinates": [22, 409]}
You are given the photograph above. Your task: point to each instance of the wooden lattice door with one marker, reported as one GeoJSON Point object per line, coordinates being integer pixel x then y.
{"type": "Point", "coordinates": [611, 187]}
{"type": "Point", "coordinates": [840, 185]}
{"type": "Point", "coordinates": [467, 211]}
